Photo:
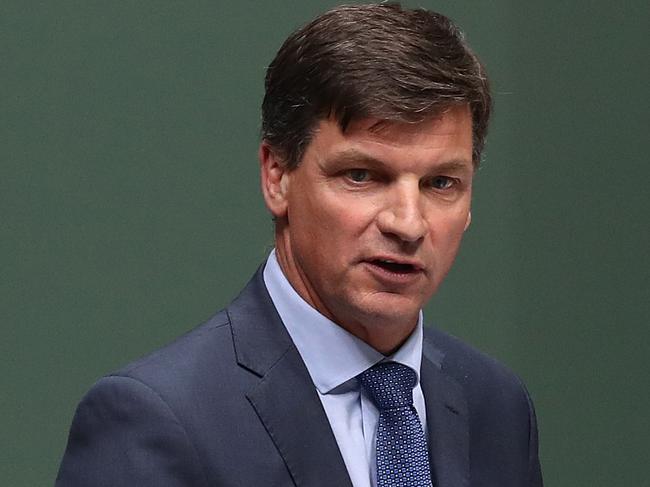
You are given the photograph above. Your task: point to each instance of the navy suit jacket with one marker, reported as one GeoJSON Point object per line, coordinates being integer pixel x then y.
{"type": "Point", "coordinates": [231, 404]}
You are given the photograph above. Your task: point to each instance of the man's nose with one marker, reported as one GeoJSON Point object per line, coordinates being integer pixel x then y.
{"type": "Point", "coordinates": [402, 215]}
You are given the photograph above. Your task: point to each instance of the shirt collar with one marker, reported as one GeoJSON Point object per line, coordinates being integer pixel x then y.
{"type": "Point", "coordinates": [332, 355]}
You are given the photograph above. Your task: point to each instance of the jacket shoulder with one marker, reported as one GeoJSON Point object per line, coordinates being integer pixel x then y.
{"type": "Point", "coordinates": [479, 374]}
{"type": "Point", "coordinates": [502, 421]}
{"type": "Point", "coordinates": [206, 341]}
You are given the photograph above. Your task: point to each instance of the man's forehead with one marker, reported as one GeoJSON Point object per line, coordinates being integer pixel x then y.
{"type": "Point", "coordinates": [453, 123]}
{"type": "Point", "coordinates": [435, 143]}
{"type": "Point", "coordinates": [408, 126]}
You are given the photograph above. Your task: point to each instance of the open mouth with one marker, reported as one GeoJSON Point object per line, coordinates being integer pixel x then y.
{"type": "Point", "coordinates": [395, 267]}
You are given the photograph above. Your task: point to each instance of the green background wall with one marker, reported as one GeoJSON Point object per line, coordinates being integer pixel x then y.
{"type": "Point", "coordinates": [129, 208]}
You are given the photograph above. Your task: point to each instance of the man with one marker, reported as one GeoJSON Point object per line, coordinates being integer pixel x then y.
{"type": "Point", "coordinates": [320, 373]}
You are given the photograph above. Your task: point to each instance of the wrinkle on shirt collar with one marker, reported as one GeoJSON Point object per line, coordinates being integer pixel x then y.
{"type": "Point", "coordinates": [333, 356]}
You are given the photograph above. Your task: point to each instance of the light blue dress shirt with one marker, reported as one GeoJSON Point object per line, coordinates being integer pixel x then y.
{"type": "Point", "coordinates": [334, 357]}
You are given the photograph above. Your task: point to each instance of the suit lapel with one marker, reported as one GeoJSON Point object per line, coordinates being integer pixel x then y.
{"type": "Point", "coordinates": [287, 404]}
{"type": "Point", "coordinates": [447, 422]}
{"type": "Point", "coordinates": [285, 398]}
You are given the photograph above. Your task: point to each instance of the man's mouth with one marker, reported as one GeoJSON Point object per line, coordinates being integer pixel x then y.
{"type": "Point", "coordinates": [395, 267]}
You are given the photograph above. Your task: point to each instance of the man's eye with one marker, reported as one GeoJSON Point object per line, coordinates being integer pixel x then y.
{"type": "Point", "coordinates": [358, 175]}
{"type": "Point", "coordinates": [441, 182]}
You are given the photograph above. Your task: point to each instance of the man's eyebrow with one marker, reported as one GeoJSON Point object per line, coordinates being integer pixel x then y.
{"type": "Point", "coordinates": [456, 165]}
{"type": "Point", "coordinates": [353, 156]}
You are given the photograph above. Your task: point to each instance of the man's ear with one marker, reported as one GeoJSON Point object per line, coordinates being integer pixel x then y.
{"type": "Point", "coordinates": [469, 220]}
{"type": "Point", "coordinates": [274, 178]}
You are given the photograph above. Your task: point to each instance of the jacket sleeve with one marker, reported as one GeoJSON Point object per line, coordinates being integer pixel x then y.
{"type": "Point", "coordinates": [124, 433]}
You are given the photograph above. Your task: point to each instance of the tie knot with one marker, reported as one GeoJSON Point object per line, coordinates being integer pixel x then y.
{"type": "Point", "coordinates": [389, 384]}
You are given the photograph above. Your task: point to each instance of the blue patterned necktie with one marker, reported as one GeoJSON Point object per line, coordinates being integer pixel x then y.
{"type": "Point", "coordinates": [402, 457]}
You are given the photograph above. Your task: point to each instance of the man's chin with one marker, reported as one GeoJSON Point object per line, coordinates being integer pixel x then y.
{"type": "Point", "coordinates": [391, 309]}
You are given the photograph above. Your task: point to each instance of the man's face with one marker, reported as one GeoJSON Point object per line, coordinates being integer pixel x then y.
{"type": "Point", "coordinates": [369, 223]}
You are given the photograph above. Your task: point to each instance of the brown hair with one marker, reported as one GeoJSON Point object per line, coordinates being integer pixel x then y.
{"type": "Point", "coordinates": [376, 60]}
